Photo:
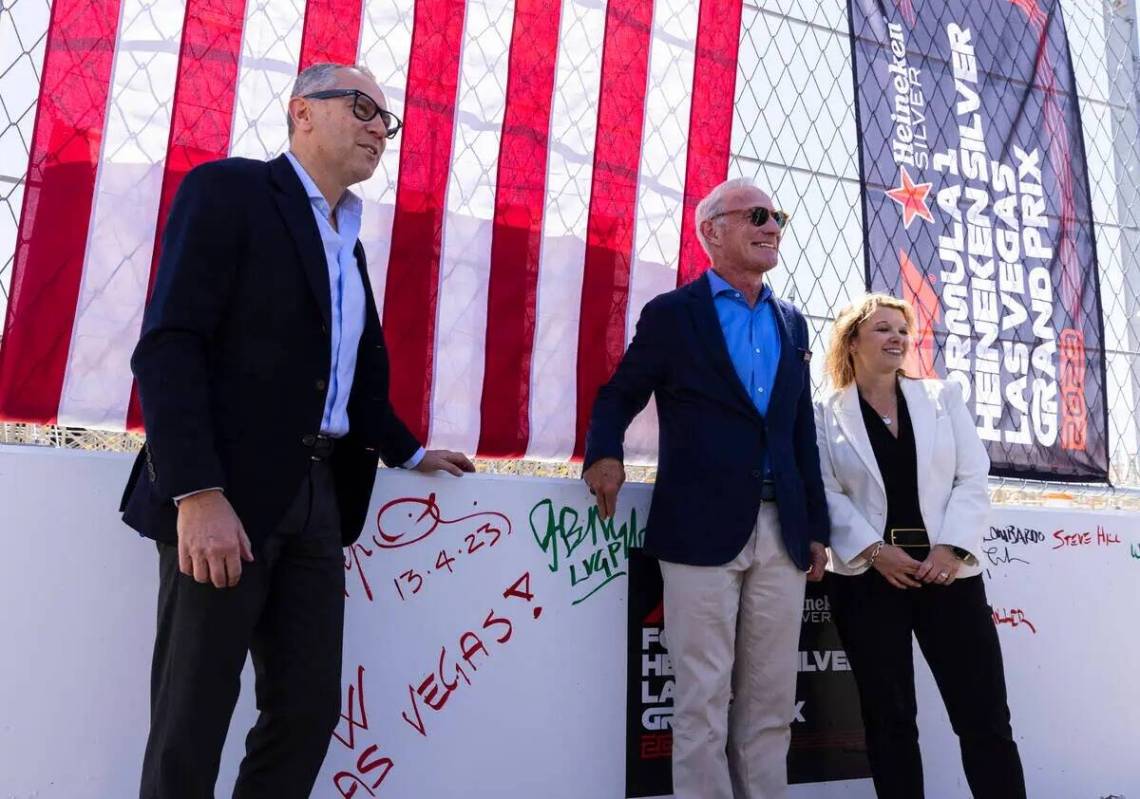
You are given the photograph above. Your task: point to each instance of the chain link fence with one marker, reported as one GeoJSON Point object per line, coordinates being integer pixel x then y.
{"type": "Point", "coordinates": [23, 35]}
{"type": "Point", "coordinates": [794, 133]}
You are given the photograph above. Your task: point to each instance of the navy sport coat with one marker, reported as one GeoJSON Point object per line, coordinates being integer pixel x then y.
{"type": "Point", "coordinates": [233, 361]}
{"type": "Point", "coordinates": [712, 438]}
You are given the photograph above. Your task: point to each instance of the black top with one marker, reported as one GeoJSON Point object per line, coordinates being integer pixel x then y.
{"type": "Point", "coordinates": [898, 463]}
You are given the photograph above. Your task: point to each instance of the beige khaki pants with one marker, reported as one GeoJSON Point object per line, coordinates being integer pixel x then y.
{"type": "Point", "coordinates": [733, 631]}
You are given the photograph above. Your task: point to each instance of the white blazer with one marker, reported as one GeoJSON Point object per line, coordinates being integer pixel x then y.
{"type": "Point", "coordinates": [952, 473]}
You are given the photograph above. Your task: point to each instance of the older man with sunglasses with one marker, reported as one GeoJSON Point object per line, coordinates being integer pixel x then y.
{"type": "Point", "coordinates": [738, 514]}
{"type": "Point", "coordinates": [264, 385]}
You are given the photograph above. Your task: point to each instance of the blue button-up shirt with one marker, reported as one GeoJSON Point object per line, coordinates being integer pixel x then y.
{"type": "Point", "coordinates": [346, 290]}
{"type": "Point", "coordinates": [752, 337]}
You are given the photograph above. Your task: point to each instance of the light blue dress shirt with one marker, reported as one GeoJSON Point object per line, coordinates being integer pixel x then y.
{"type": "Point", "coordinates": [346, 292]}
{"type": "Point", "coordinates": [753, 340]}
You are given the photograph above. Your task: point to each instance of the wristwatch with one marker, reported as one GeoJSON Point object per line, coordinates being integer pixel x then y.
{"type": "Point", "coordinates": [964, 555]}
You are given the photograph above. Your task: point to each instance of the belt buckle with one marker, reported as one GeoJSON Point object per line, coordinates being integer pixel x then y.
{"type": "Point", "coordinates": [908, 537]}
{"type": "Point", "coordinates": [322, 448]}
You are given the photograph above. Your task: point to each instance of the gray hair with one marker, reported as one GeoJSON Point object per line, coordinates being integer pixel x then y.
{"type": "Point", "coordinates": [316, 78]}
{"type": "Point", "coordinates": [713, 204]}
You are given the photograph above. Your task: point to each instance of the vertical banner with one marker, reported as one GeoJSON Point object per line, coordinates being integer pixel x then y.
{"type": "Point", "coordinates": [977, 210]}
{"type": "Point", "coordinates": [649, 702]}
{"type": "Point", "coordinates": [827, 732]}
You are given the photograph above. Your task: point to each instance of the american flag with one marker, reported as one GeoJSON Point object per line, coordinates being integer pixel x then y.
{"type": "Point", "coordinates": [541, 191]}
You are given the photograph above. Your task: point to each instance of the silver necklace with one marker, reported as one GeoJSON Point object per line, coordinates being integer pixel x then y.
{"type": "Point", "coordinates": [887, 420]}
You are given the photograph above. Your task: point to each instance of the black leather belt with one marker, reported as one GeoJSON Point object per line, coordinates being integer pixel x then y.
{"type": "Point", "coordinates": [323, 447]}
{"type": "Point", "coordinates": [768, 491]}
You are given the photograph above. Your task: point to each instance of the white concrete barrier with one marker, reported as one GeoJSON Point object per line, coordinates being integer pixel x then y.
{"type": "Point", "coordinates": [486, 649]}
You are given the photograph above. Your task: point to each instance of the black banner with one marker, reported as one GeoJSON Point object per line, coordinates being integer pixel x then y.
{"type": "Point", "coordinates": [649, 693]}
{"type": "Point", "coordinates": [976, 209]}
{"type": "Point", "coordinates": [827, 734]}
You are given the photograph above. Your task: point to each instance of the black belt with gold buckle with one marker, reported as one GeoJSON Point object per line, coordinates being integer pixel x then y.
{"type": "Point", "coordinates": [908, 537]}
{"type": "Point", "coordinates": [916, 538]}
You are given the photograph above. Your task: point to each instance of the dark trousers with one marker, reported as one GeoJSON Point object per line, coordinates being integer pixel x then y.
{"type": "Point", "coordinates": [955, 630]}
{"type": "Point", "coordinates": [287, 612]}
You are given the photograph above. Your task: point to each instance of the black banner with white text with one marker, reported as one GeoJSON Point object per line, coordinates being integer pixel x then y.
{"type": "Point", "coordinates": [977, 210]}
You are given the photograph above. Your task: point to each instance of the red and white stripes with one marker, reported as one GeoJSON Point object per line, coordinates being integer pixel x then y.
{"type": "Point", "coordinates": [56, 218]}
{"type": "Point", "coordinates": [133, 165]}
{"type": "Point", "coordinates": [539, 195]}
{"type": "Point", "coordinates": [516, 234]}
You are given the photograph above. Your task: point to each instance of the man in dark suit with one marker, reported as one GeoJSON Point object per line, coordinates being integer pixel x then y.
{"type": "Point", "coordinates": [738, 513]}
{"type": "Point", "coordinates": [264, 386]}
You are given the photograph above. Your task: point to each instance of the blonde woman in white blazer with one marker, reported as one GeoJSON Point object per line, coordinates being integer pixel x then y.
{"type": "Point", "coordinates": [905, 477]}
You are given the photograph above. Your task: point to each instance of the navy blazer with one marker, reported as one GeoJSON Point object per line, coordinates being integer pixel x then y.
{"type": "Point", "coordinates": [712, 438]}
{"type": "Point", "coordinates": [233, 361]}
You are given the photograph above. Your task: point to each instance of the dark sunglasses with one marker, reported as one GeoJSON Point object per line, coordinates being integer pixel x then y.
{"type": "Point", "coordinates": [759, 216]}
{"type": "Point", "coordinates": [364, 108]}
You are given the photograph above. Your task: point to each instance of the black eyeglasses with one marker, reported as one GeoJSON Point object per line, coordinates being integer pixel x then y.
{"type": "Point", "coordinates": [364, 108]}
{"type": "Point", "coordinates": [759, 216]}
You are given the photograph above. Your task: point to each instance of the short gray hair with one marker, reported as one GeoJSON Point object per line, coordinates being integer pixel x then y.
{"type": "Point", "coordinates": [713, 204]}
{"type": "Point", "coordinates": [316, 78]}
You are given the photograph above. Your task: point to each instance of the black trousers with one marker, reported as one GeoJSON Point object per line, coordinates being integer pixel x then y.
{"type": "Point", "coordinates": [287, 612]}
{"type": "Point", "coordinates": [955, 630]}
